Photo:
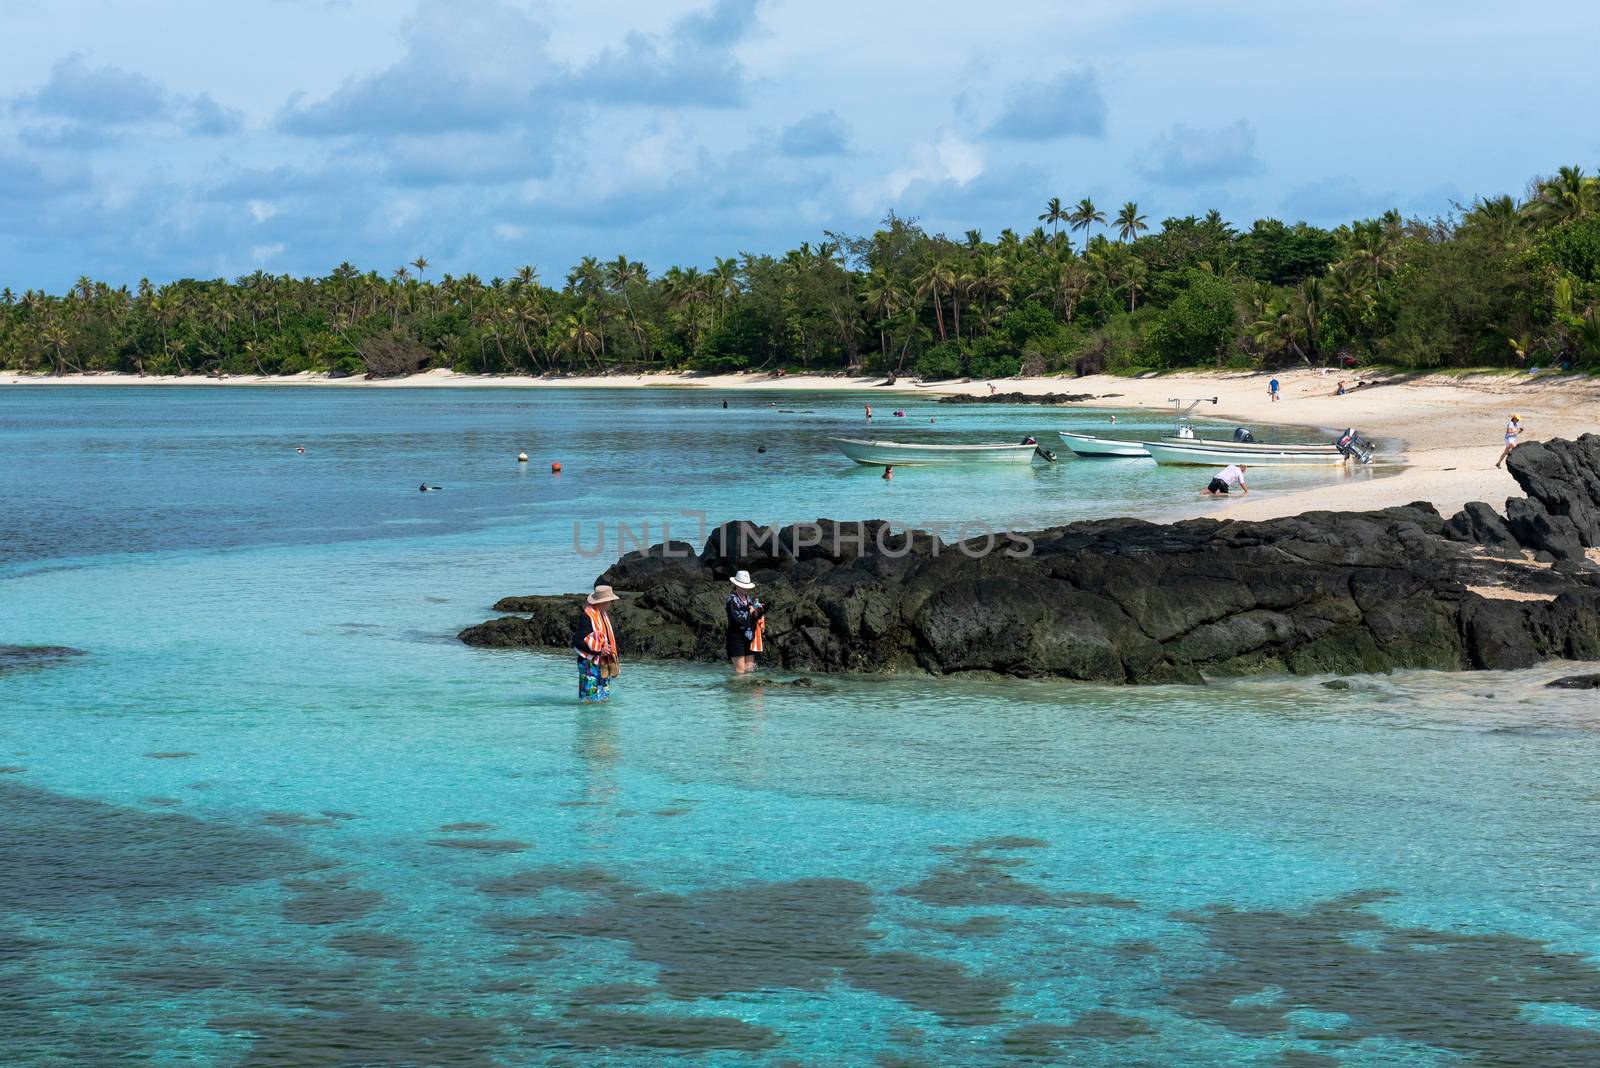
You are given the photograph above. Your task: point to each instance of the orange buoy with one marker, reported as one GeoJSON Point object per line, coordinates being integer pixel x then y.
{"type": "Point", "coordinates": [555, 468]}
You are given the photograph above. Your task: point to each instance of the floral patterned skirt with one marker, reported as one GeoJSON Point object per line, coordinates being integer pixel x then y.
{"type": "Point", "coordinates": [592, 685]}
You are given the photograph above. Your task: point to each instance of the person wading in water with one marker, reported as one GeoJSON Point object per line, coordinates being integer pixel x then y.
{"type": "Point", "coordinates": [596, 645]}
{"type": "Point", "coordinates": [747, 624]}
{"type": "Point", "coordinates": [1226, 479]}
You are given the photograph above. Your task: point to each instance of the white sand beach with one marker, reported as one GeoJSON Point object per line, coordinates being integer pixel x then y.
{"type": "Point", "coordinates": [1443, 431]}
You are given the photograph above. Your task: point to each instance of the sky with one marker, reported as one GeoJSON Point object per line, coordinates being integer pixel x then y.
{"type": "Point", "coordinates": [190, 138]}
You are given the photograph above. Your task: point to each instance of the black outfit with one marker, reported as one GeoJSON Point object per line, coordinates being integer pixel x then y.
{"type": "Point", "coordinates": [743, 612]}
{"type": "Point", "coordinates": [1218, 486]}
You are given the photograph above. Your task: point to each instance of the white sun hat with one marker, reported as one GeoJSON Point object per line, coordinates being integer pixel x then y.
{"type": "Point", "coordinates": [741, 579]}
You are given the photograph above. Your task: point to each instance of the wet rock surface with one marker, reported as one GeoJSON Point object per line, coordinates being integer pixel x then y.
{"type": "Point", "coordinates": [1576, 682]}
{"type": "Point", "coordinates": [1123, 600]}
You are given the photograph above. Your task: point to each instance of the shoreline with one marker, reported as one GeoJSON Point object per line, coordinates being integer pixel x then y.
{"type": "Point", "coordinates": [1445, 431]}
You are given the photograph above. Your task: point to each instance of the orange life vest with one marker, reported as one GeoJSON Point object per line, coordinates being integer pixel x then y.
{"type": "Point", "coordinates": [602, 639]}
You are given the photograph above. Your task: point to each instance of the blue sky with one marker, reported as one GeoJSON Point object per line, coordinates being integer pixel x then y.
{"type": "Point", "coordinates": [188, 138]}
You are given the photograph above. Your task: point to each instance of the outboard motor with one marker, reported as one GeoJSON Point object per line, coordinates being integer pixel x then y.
{"type": "Point", "coordinates": [1038, 450]}
{"type": "Point", "coordinates": [1243, 433]}
{"type": "Point", "coordinates": [1186, 431]}
{"type": "Point", "coordinates": [1352, 444]}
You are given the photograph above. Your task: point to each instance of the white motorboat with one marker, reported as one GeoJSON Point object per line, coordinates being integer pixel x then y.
{"type": "Point", "coordinates": [896, 453]}
{"type": "Point", "coordinates": [1220, 454]}
{"type": "Point", "coordinates": [1252, 446]}
{"type": "Point", "coordinates": [1090, 446]}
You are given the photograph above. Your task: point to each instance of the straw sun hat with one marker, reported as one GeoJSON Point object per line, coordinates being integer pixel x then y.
{"type": "Point", "coordinates": [741, 579]}
{"type": "Point", "coordinates": [602, 595]}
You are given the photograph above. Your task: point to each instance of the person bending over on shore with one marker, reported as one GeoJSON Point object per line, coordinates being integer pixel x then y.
{"type": "Point", "coordinates": [1227, 478]}
{"type": "Point", "coordinates": [747, 624]}
{"type": "Point", "coordinates": [1272, 390]}
{"type": "Point", "coordinates": [1513, 431]}
{"type": "Point", "coordinates": [595, 642]}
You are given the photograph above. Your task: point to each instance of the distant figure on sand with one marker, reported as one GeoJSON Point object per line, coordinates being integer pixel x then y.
{"type": "Point", "coordinates": [596, 645]}
{"type": "Point", "coordinates": [1227, 478]}
{"type": "Point", "coordinates": [1513, 430]}
{"type": "Point", "coordinates": [992, 390]}
{"type": "Point", "coordinates": [1272, 390]}
{"type": "Point", "coordinates": [1340, 391]}
{"type": "Point", "coordinates": [747, 624]}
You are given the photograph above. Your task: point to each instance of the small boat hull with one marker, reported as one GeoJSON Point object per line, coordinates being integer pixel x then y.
{"type": "Point", "coordinates": [1089, 446]}
{"type": "Point", "coordinates": [1220, 455]}
{"type": "Point", "coordinates": [897, 453]}
{"type": "Point", "coordinates": [1250, 446]}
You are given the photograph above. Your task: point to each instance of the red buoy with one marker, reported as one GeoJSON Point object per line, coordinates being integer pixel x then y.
{"type": "Point", "coordinates": [555, 468]}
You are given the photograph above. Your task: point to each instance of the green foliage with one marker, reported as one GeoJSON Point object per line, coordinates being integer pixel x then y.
{"type": "Point", "coordinates": [1574, 247]}
{"type": "Point", "coordinates": [1198, 325]}
{"type": "Point", "coordinates": [944, 360]}
{"type": "Point", "coordinates": [1285, 255]}
{"type": "Point", "coordinates": [1504, 284]}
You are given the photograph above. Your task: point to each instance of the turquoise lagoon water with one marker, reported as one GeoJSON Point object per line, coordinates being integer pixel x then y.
{"type": "Point", "coordinates": [276, 815]}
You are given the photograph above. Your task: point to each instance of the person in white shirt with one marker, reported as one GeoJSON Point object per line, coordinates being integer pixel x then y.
{"type": "Point", "coordinates": [1513, 429]}
{"type": "Point", "coordinates": [1227, 478]}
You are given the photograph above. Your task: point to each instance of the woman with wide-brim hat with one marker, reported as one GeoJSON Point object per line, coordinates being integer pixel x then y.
{"type": "Point", "coordinates": [747, 624]}
{"type": "Point", "coordinates": [596, 645]}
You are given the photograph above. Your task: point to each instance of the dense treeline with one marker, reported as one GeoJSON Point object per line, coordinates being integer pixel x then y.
{"type": "Point", "coordinates": [1497, 283]}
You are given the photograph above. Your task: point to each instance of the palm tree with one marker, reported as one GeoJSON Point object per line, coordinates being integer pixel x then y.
{"type": "Point", "coordinates": [1084, 216]}
{"type": "Point", "coordinates": [1130, 222]}
{"type": "Point", "coordinates": [936, 278]}
{"type": "Point", "coordinates": [1571, 194]}
{"type": "Point", "coordinates": [884, 299]}
{"type": "Point", "coordinates": [1071, 283]}
{"type": "Point", "coordinates": [581, 340]}
{"type": "Point", "coordinates": [725, 279]}
{"type": "Point", "coordinates": [421, 264]}
{"type": "Point", "coordinates": [1054, 215]}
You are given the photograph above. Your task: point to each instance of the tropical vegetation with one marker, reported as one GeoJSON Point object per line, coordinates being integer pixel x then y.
{"type": "Point", "coordinates": [1500, 282]}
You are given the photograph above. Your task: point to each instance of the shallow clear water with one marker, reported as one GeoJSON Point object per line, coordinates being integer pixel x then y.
{"type": "Point", "coordinates": [277, 815]}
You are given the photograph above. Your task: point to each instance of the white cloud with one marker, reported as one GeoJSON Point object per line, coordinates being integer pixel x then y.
{"type": "Point", "coordinates": [263, 253]}
{"type": "Point", "coordinates": [261, 211]}
{"type": "Point", "coordinates": [950, 159]}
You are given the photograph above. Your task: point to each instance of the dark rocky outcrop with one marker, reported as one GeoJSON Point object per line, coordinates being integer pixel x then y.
{"type": "Point", "coordinates": [1575, 682]}
{"type": "Point", "coordinates": [1025, 398]}
{"type": "Point", "coordinates": [1123, 600]}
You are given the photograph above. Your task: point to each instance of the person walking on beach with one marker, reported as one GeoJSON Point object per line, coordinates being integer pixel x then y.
{"type": "Point", "coordinates": [1227, 478]}
{"type": "Point", "coordinates": [596, 645]}
{"type": "Point", "coordinates": [1513, 430]}
{"type": "Point", "coordinates": [1272, 390]}
{"type": "Point", "coordinates": [747, 624]}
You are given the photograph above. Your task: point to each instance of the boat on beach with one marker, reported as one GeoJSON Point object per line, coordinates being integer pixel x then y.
{"type": "Point", "coordinates": [896, 453]}
{"type": "Point", "coordinates": [1089, 446]}
{"type": "Point", "coordinates": [1254, 446]}
{"type": "Point", "coordinates": [1221, 454]}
